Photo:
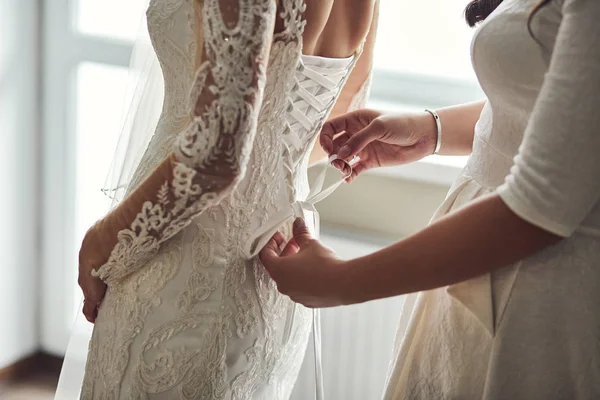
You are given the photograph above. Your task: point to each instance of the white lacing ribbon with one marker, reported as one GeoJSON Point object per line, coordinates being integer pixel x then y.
{"type": "Point", "coordinates": [321, 77]}
{"type": "Point", "coordinates": [301, 208]}
{"type": "Point", "coordinates": [298, 209]}
{"type": "Point", "coordinates": [307, 79]}
{"type": "Point", "coordinates": [316, 76]}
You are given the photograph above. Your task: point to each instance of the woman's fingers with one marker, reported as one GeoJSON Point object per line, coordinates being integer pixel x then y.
{"type": "Point", "coordinates": [331, 128]}
{"type": "Point", "coordinates": [270, 253]}
{"type": "Point", "coordinates": [338, 142]}
{"type": "Point", "coordinates": [338, 164]}
{"type": "Point", "coordinates": [302, 235]}
{"type": "Point", "coordinates": [290, 248]}
{"type": "Point", "coordinates": [374, 131]}
{"type": "Point", "coordinates": [342, 166]}
{"type": "Point", "coordinates": [279, 239]}
{"type": "Point", "coordinates": [356, 170]}
{"type": "Point", "coordinates": [349, 123]}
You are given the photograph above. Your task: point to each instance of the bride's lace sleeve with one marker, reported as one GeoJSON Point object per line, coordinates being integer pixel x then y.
{"type": "Point", "coordinates": [210, 155]}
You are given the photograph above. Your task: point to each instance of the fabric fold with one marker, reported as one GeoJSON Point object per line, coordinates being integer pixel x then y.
{"type": "Point", "coordinates": [474, 294]}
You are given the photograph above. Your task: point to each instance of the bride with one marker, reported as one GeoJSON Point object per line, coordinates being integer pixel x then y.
{"type": "Point", "coordinates": [182, 307]}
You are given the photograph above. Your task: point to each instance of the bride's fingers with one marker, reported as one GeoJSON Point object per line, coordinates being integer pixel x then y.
{"type": "Point", "coordinates": [361, 139]}
{"type": "Point", "coordinates": [90, 310]}
{"type": "Point", "coordinates": [93, 289]}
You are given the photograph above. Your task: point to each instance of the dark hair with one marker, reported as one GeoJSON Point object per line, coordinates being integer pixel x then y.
{"type": "Point", "coordinates": [478, 10]}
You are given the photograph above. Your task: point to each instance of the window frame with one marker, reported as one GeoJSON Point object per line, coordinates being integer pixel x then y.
{"type": "Point", "coordinates": [64, 48]}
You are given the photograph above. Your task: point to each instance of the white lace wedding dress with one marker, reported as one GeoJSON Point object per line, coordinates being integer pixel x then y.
{"type": "Point", "coordinates": [189, 312]}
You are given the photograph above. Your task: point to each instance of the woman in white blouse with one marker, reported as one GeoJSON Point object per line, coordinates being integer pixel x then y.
{"type": "Point", "coordinates": [508, 273]}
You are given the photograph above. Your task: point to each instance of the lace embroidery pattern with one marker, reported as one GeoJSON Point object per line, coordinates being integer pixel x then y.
{"type": "Point", "coordinates": [247, 381]}
{"type": "Point", "coordinates": [161, 368]}
{"type": "Point", "coordinates": [293, 21]}
{"type": "Point", "coordinates": [131, 302]}
{"type": "Point", "coordinates": [200, 284]}
{"type": "Point", "coordinates": [214, 149]}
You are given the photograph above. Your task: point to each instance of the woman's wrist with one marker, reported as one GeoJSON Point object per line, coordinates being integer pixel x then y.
{"type": "Point", "coordinates": [353, 282]}
{"type": "Point", "coordinates": [425, 125]}
{"type": "Point", "coordinates": [438, 130]}
{"type": "Point", "coordinates": [458, 124]}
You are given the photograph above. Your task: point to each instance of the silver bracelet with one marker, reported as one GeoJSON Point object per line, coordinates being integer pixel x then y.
{"type": "Point", "coordinates": [438, 123]}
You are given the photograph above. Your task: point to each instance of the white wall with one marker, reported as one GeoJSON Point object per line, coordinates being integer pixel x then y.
{"type": "Point", "coordinates": [383, 204]}
{"type": "Point", "coordinates": [18, 187]}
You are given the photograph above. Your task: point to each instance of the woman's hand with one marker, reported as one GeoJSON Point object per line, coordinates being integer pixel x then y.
{"type": "Point", "coordinates": [379, 140]}
{"type": "Point", "coordinates": [95, 251]}
{"type": "Point", "coordinates": [306, 271]}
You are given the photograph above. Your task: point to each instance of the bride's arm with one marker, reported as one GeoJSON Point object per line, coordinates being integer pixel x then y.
{"type": "Point", "coordinates": [356, 90]}
{"type": "Point", "coordinates": [211, 154]}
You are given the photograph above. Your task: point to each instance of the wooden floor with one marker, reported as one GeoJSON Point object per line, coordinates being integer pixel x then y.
{"type": "Point", "coordinates": [39, 386]}
{"type": "Point", "coordinates": [32, 379]}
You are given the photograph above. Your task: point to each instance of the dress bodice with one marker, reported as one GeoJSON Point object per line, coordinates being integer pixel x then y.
{"type": "Point", "coordinates": [299, 93]}
{"type": "Point", "coordinates": [510, 67]}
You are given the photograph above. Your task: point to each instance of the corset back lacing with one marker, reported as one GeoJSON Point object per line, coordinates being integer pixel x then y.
{"type": "Point", "coordinates": [316, 88]}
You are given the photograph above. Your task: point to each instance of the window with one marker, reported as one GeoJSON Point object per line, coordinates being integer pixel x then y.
{"type": "Point", "coordinates": [99, 94]}
{"type": "Point", "coordinates": [87, 45]}
{"type": "Point", "coordinates": [422, 60]}
{"type": "Point", "coordinates": [91, 17]}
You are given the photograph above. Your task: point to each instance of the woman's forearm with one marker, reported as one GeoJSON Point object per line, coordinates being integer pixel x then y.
{"type": "Point", "coordinates": [458, 127]}
{"type": "Point", "coordinates": [470, 242]}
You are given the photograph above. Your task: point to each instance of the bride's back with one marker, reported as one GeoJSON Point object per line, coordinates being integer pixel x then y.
{"type": "Point", "coordinates": [336, 28]}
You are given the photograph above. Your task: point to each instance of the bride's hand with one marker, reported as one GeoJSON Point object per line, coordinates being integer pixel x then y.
{"type": "Point", "coordinates": [379, 140]}
{"type": "Point", "coordinates": [95, 251]}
